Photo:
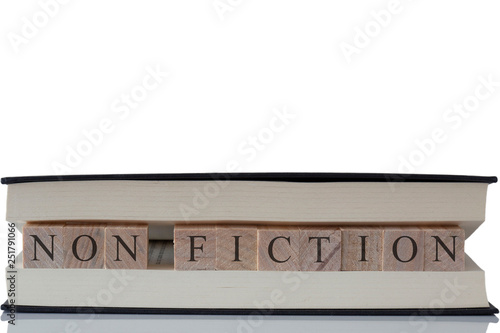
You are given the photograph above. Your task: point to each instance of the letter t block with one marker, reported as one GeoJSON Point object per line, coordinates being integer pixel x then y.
{"type": "Point", "coordinates": [320, 249]}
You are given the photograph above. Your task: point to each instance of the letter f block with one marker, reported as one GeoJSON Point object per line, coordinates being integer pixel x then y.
{"type": "Point", "coordinates": [194, 247]}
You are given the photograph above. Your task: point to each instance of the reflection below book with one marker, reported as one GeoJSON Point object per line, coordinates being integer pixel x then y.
{"type": "Point", "coordinates": [111, 323]}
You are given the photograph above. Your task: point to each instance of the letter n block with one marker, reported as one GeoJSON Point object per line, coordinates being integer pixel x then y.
{"type": "Point", "coordinates": [194, 247]}
{"type": "Point", "coordinates": [127, 246]}
{"type": "Point", "coordinates": [278, 248]}
{"type": "Point", "coordinates": [362, 248]}
{"type": "Point", "coordinates": [84, 245]}
{"type": "Point", "coordinates": [403, 249]}
{"type": "Point", "coordinates": [236, 247]}
{"type": "Point", "coordinates": [444, 249]}
{"type": "Point", "coordinates": [320, 249]}
{"type": "Point", "coordinates": [43, 245]}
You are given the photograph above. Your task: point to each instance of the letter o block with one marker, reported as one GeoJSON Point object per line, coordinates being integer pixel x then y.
{"type": "Point", "coordinates": [84, 246]}
{"type": "Point", "coordinates": [403, 249]}
{"type": "Point", "coordinates": [127, 246]}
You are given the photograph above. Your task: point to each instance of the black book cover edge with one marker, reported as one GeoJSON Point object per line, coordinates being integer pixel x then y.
{"type": "Point", "coordinates": [303, 177]}
{"type": "Point", "coordinates": [491, 310]}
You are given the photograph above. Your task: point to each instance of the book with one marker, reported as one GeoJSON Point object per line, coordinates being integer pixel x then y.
{"type": "Point", "coordinates": [263, 199]}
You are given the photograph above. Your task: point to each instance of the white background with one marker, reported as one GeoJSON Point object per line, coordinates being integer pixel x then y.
{"type": "Point", "coordinates": [232, 66]}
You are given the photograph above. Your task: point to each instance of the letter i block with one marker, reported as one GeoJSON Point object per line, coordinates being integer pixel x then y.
{"type": "Point", "coordinates": [403, 249]}
{"type": "Point", "coordinates": [236, 247]}
{"type": "Point", "coordinates": [127, 246]}
{"type": "Point", "coordinates": [320, 249]}
{"type": "Point", "coordinates": [84, 245]}
{"type": "Point", "coordinates": [362, 248]}
{"type": "Point", "coordinates": [444, 249]}
{"type": "Point", "coordinates": [194, 247]}
{"type": "Point", "coordinates": [43, 245]}
{"type": "Point", "coordinates": [278, 248]}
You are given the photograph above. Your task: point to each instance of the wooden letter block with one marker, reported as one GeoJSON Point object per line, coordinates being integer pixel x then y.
{"type": "Point", "coordinates": [236, 248]}
{"type": "Point", "coordinates": [444, 249]}
{"type": "Point", "coordinates": [362, 248]}
{"type": "Point", "coordinates": [194, 247]}
{"type": "Point", "coordinates": [127, 246]}
{"type": "Point", "coordinates": [320, 249]}
{"type": "Point", "coordinates": [43, 245]}
{"type": "Point", "coordinates": [84, 245]}
{"type": "Point", "coordinates": [278, 248]}
{"type": "Point", "coordinates": [403, 249]}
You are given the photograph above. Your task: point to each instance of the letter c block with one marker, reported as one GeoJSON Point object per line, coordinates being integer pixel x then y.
{"type": "Point", "coordinates": [320, 249]}
{"type": "Point", "coordinates": [278, 248]}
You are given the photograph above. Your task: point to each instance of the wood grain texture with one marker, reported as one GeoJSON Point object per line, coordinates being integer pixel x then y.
{"type": "Point", "coordinates": [320, 249]}
{"type": "Point", "coordinates": [403, 249]}
{"type": "Point", "coordinates": [439, 258]}
{"type": "Point", "coordinates": [362, 248]}
{"type": "Point", "coordinates": [84, 245]}
{"type": "Point", "coordinates": [194, 247]}
{"type": "Point", "coordinates": [236, 247]}
{"type": "Point", "coordinates": [278, 248]}
{"type": "Point", "coordinates": [126, 246]}
{"type": "Point", "coordinates": [43, 245]}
